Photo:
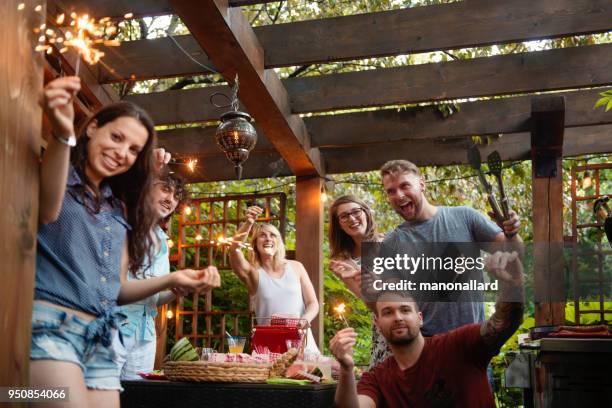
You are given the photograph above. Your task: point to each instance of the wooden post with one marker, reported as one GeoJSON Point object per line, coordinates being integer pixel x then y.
{"type": "Point", "coordinates": [309, 240]}
{"type": "Point", "coordinates": [21, 80]}
{"type": "Point", "coordinates": [547, 127]}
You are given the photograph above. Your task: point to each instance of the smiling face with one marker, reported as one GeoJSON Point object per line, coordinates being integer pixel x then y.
{"type": "Point", "coordinates": [405, 194]}
{"type": "Point", "coordinates": [114, 147]}
{"type": "Point", "coordinates": [352, 219]}
{"type": "Point", "coordinates": [267, 241]}
{"type": "Point", "coordinates": [399, 322]}
{"type": "Point", "coordinates": [165, 199]}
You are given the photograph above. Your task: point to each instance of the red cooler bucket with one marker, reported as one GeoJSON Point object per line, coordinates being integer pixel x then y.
{"type": "Point", "coordinates": [272, 333]}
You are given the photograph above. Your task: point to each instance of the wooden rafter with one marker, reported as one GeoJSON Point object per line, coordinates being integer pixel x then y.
{"type": "Point", "coordinates": [490, 117]}
{"type": "Point", "coordinates": [228, 39]}
{"type": "Point", "coordinates": [568, 68]}
{"type": "Point", "coordinates": [212, 166]}
{"type": "Point", "coordinates": [418, 29]}
{"type": "Point", "coordinates": [487, 117]}
{"type": "Point", "coordinates": [578, 141]}
{"type": "Point", "coordinates": [139, 8]}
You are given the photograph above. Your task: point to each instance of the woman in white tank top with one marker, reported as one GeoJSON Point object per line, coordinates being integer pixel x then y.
{"type": "Point", "coordinates": [279, 286]}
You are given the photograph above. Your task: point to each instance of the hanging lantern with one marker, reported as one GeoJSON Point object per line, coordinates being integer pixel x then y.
{"type": "Point", "coordinates": [236, 136]}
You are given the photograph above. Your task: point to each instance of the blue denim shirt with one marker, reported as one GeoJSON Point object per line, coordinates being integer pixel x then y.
{"type": "Point", "coordinates": [79, 257]}
{"type": "Point", "coordinates": [141, 315]}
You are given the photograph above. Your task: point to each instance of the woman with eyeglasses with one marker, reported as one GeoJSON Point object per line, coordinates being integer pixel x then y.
{"type": "Point", "coordinates": [351, 224]}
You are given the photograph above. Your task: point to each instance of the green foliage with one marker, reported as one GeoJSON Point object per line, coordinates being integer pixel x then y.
{"type": "Point", "coordinates": [605, 100]}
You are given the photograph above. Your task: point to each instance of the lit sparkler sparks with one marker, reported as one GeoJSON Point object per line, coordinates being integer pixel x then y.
{"type": "Point", "coordinates": [82, 33]}
{"type": "Point", "coordinates": [191, 164]}
{"type": "Point", "coordinates": [340, 310]}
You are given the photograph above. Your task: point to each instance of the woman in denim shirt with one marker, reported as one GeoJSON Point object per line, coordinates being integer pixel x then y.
{"type": "Point", "coordinates": [139, 337]}
{"type": "Point", "coordinates": [94, 224]}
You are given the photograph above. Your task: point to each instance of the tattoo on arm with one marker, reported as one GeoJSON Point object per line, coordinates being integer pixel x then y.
{"type": "Point", "coordinates": [502, 324]}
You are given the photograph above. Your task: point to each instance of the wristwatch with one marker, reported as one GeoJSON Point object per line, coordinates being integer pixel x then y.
{"type": "Point", "coordinates": [70, 141]}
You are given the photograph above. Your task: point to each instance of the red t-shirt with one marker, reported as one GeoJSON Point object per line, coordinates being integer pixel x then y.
{"type": "Point", "coordinates": [451, 372]}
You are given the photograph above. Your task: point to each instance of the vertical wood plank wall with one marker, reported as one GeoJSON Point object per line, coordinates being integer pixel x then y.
{"type": "Point", "coordinates": [21, 80]}
{"type": "Point", "coordinates": [309, 240]}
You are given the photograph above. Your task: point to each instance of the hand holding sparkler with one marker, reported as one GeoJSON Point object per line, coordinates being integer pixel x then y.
{"type": "Point", "coordinates": [341, 346]}
{"type": "Point", "coordinates": [252, 213]}
{"type": "Point", "coordinates": [57, 100]}
{"type": "Point", "coordinates": [162, 157]}
{"type": "Point", "coordinates": [340, 310]}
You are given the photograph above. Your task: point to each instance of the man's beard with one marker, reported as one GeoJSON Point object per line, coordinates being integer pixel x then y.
{"type": "Point", "coordinates": [404, 340]}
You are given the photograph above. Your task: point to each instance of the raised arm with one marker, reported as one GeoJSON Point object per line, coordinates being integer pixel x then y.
{"type": "Point", "coordinates": [341, 346]}
{"type": "Point", "coordinates": [509, 308]}
{"type": "Point", "coordinates": [56, 102]}
{"type": "Point", "coordinates": [241, 267]}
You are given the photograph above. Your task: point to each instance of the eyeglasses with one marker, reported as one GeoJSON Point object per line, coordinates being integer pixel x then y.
{"type": "Point", "coordinates": [355, 213]}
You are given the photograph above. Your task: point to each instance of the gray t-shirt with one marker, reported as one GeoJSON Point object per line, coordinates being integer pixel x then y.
{"type": "Point", "coordinates": [449, 224]}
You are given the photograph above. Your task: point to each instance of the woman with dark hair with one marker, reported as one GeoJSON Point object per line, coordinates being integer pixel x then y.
{"type": "Point", "coordinates": [351, 222]}
{"type": "Point", "coordinates": [139, 338]}
{"type": "Point", "coordinates": [94, 223]}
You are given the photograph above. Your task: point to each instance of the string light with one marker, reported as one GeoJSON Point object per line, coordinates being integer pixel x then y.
{"type": "Point", "coordinates": [170, 243]}
{"type": "Point", "coordinates": [191, 164]}
{"type": "Point", "coordinates": [198, 237]}
{"type": "Point", "coordinates": [587, 181]}
{"type": "Point", "coordinates": [169, 314]}
{"type": "Point", "coordinates": [187, 210]}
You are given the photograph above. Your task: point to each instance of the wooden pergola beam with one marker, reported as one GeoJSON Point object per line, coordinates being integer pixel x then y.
{"type": "Point", "coordinates": [226, 36]}
{"type": "Point", "coordinates": [265, 163]}
{"type": "Point", "coordinates": [550, 70]}
{"type": "Point", "coordinates": [118, 8]}
{"type": "Point", "coordinates": [578, 141]}
{"type": "Point", "coordinates": [261, 164]}
{"type": "Point", "coordinates": [21, 81]}
{"type": "Point", "coordinates": [547, 149]}
{"type": "Point", "coordinates": [187, 142]}
{"type": "Point", "coordinates": [418, 29]}
{"type": "Point", "coordinates": [488, 117]}
{"type": "Point", "coordinates": [567, 68]}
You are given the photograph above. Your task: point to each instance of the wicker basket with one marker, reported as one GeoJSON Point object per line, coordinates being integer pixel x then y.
{"type": "Point", "coordinates": [203, 371]}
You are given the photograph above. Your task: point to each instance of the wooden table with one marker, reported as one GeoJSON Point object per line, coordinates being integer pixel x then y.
{"type": "Point", "coordinates": [152, 394]}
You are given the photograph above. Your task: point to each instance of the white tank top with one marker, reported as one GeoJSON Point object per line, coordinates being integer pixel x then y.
{"type": "Point", "coordinates": [282, 297]}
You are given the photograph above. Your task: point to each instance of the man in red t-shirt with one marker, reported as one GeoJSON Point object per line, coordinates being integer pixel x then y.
{"type": "Point", "coordinates": [446, 370]}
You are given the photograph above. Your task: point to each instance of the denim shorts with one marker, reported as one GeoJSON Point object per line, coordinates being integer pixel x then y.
{"type": "Point", "coordinates": [59, 335]}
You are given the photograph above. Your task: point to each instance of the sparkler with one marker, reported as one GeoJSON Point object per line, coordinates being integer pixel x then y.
{"type": "Point", "coordinates": [340, 310]}
{"type": "Point", "coordinates": [191, 164]}
{"type": "Point", "coordinates": [82, 33]}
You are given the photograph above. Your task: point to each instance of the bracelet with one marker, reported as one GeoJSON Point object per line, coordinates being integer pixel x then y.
{"type": "Point", "coordinates": [70, 141]}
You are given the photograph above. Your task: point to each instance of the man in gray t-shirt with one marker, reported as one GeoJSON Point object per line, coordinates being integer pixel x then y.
{"type": "Point", "coordinates": [425, 222]}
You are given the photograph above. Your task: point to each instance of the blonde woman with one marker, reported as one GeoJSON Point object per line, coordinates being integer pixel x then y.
{"type": "Point", "coordinates": [278, 286]}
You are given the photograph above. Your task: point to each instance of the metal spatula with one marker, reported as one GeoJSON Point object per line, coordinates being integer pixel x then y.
{"type": "Point", "coordinates": [473, 156]}
{"type": "Point", "coordinates": [495, 168]}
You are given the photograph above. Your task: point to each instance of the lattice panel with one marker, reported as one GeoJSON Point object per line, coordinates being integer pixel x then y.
{"type": "Point", "coordinates": [202, 224]}
{"type": "Point", "coordinates": [591, 266]}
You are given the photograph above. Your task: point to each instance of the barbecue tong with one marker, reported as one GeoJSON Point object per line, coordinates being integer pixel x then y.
{"type": "Point", "coordinates": [502, 213]}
